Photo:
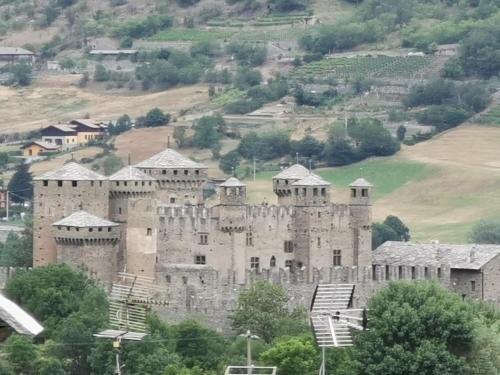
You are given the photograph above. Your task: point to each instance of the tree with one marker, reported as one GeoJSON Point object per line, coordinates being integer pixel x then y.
{"type": "Point", "coordinates": [246, 78]}
{"type": "Point", "coordinates": [486, 231]}
{"type": "Point", "coordinates": [18, 251]}
{"type": "Point", "coordinates": [22, 73]}
{"type": "Point", "coordinates": [307, 146]}
{"type": "Point", "coordinates": [21, 354]}
{"type": "Point", "coordinates": [199, 346]}
{"type": "Point", "coordinates": [155, 117]}
{"type": "Point", "coordinates": [372, 138]}
{"type": "Point", "coordinates": [180, 136]}
{"type": "Point", "coordinates": [111, 164]}
{"type": "Point", "coordinates": [262, 308]}
{"type": "Point", "coordinates": [229, 162]}
{"type": "Point", "coordinates": [123, 124]}
{"type": "Point", "coordinates": [101, 74]}
{"type": "Point", "coordinates": [21, 184]}
{"type": "Point", "coordinates": [339, 151]}
{"type": "Point", "coordinates": [401, 133]}
{"type": "Point", "coordinates": [399, 227]}
{"type": "Point", "coordinates": [415, 328]}
{"type": "Point", "coordinates": [208, 131]}
{"type": "Point", "coordinates": [382, 233]}
{"type": "Point", "coordinates": [294, 356]}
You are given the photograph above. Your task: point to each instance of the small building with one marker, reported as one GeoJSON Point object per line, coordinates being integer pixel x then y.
{"type": "Point", "coordinates": [63, 136]}
{"type": "Point", "coordinates": [87, 130]}
{"type": "Point", "coordinates": [14, 54]}
{"type": "Point", "coordinates": [474, 268]}
{"type": "Point", "coordinates": [35, 148]}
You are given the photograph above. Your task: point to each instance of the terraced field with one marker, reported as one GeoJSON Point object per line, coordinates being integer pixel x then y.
{"type": "Point", "coordinates": [192, 35]}
{"type": "Point", "coordinates": [347, 68]}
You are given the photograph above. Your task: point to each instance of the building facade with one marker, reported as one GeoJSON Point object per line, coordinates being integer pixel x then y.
{"type": "Point", "coordinates": [157, 217]}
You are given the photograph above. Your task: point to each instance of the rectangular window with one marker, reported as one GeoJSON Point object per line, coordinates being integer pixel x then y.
{"type": "Point", "coordinates": [255, 263]}
{"type": "Point", "coordinates": [426, 272]}
{"type": "Point", "coordinates": [364, 193]}
{"type": "Point", "coordinates": [59, 183]}
{"type": "Point", "coordinates": [200, 259]}
{"type": "Point", "coordinates": [473, 286]}
{"type": "Point", "coordinates": [315, 192]}
{"type": "Point", "coordinates": [45, 183]}
{"type": "Point", "coordinates": [323, 192]}
{"type": "Point", "coordinates": [149, 232]}
{"type": "Point", "coordinates": [289, 264]}
{"type": "Point", "coordinates": [413, 273]}
{"type": "Point", "coordinates": [172, 200]}
{"type": "Point", "coordinates": [400, 272]}
{"type": "Point", "coordinates": [288, 246]}
{"type": "Point", "coordinates": [387, 273]}
{"type": "Point", "coordinates": [249, 239]}
{"type": "Point", "coordinates": [74, 183]}
{"type": "Point", "coordinates": [353, 193]}
{"type": "Point", "coordinates": [337, 258]}
{"type": "Point", "coordinates": [439, 273]}
{"type": "Point", "coordinates": [203, 239]}
{"type": "Point", "coordinates": [186, 172]}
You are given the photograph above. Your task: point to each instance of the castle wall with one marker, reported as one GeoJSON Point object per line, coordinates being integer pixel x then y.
{"type": "Point", "coordinates": [54, 200]}
{"type": "Point", "coordinates": [200, 292]}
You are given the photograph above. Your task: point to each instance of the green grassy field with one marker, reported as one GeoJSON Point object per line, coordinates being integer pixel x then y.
{"type": "Point", "coordinates": [492, 117]}
{"type": "Point", "coordinates": [191, 35]}
{"type": "Point", "coordinates": [385, 174]}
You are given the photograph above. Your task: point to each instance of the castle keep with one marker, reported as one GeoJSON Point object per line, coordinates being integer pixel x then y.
{"type": "Point", "coordinates": [151, 219]}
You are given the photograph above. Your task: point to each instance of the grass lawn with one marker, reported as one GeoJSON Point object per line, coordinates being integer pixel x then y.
{"type": "Point", "coordinates": [191, 35]}
{"type": "Point", "coordinates": [386, 175]}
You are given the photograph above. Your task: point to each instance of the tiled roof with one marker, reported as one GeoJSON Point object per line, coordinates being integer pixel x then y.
{"type": "Point", "coordinates": [64, 128]}
{"type": "Point", "coordinates": [18, 319]}
{"type": "Point", "coordinates": [71, 171]}
{"type": "Point", "coordinates": [45, 145]}
{"type": "Point", "coordinates": [361, 182]}
{"type": "Point", "coordinates": [295, 172]}
{"type": "Point", "coordinates": [467, 256]}
{"type": "Point", "coordinates": [232, 182]}
{"type": "Point", "coordinates": [311, 180]}
{"type": "Point", "coordinates": [86, 122]}
{"type": "Point", "coordinates": [130, 174]}
{"type": "Point", "coordinates": [168, 159]}
{"type": "Point", "coordinates": [14, 51]}
{"type": "Point", "coordinates": [83, 219]}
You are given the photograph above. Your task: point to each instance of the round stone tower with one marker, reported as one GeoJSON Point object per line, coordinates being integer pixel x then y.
{"type": "Point", "coordinates": [58, 194]}
{"type": "Point", "coordinates": [128, 183]}
{"type": "Point", "coordinates": [90, 243]}
{"type": "Point", "coordinates": [361, 220]}
{"type": "Point", "coordinates": [180, 180]}
{"type": "Point", "coordinates": [282, 183]}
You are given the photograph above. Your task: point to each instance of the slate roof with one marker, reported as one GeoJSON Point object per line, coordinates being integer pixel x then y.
{"type": "Point", "coordinates": [18, 319]}
{"type": "Point", "coordinates": [311, 180]}
{"type": "Point", "coordinates": [295, 172]}
{"type": "Point", "coordinates": [130, 173]}
{"type": "Point", "coordinates": [232, 182]}
{"type": "Point", "coordinates": [169, 159]}
{"type": "Point", "coordinates": [82, 219]}
{"type": "Point", "coordinates": [45, 145]}
{"type": "Point", "coordinates": [71, 171]}
{"type": "Point", "coordinates": [64, 128]}
{"type": "Point", "coordinates": [86, 122]}
{"type": "Point", "coordinates": [467, 256]}
{"type": "Point", "coordinates": [361, 182]}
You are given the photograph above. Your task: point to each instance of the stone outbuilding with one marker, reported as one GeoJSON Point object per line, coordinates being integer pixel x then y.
{"type": "Point", "coordinates": [475, 269]}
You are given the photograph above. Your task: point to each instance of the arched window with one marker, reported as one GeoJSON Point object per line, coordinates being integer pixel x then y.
{"type": "Point", "coordinates": [272, 263]}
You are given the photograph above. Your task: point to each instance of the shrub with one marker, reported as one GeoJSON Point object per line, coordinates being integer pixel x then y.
{"type": "Point", "coordinates": [187, 3]}
{"type": "Point", "coordinates": [443, 117]}
{"type": "Point", "coordinates": [143, 27]}
{"type": "Point", "coordinates": [155, 117]}
{"type": "Point", "coordinates": [101, 74]}
{"type": "Point", "coordinates": [22, 74]}
{"type": "Point", "coordinates": [229, 162]}
{"type": "Point", "coordinates": [246, 78]}
{"type": "Point", "coordinates": [248, 53]}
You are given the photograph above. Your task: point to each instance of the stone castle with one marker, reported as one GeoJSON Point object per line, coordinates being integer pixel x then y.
{"type": "Point", "coordinates": [150, 218]}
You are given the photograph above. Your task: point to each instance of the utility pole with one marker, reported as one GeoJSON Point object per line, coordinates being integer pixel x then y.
{"type": "Point", "coordinates": [254, 168]}
{"type": "Point", "coordinates": [116, 345]}
{"type": "Point", "coordinates": [7, 205]}
{"type": "Point", "coordinates": [249, 338]}
{"type": "Point", "coordinates": [297, 157]}
{"type": "Point", "coordinates": [346, 134]}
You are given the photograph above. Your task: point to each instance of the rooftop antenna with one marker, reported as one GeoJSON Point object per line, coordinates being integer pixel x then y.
{"type": "Point", "coordinates": [129, 159]}
{"type": "Point", "coordinates": [297, 157]}
{"type": "Point", "coordinates": [130, 300]}
{"type": "Point", "coordinates": [333, 318]}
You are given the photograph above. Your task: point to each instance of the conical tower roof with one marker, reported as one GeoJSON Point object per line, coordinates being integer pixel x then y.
{"type": "Point", "coordinates": [130, 173]}
{"type": "Point", "coordinates": [232, 182]}
{"type": "Point", "coordinates": [83, 219]}
{"type": "Point", "coordinates": [295, 172]}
